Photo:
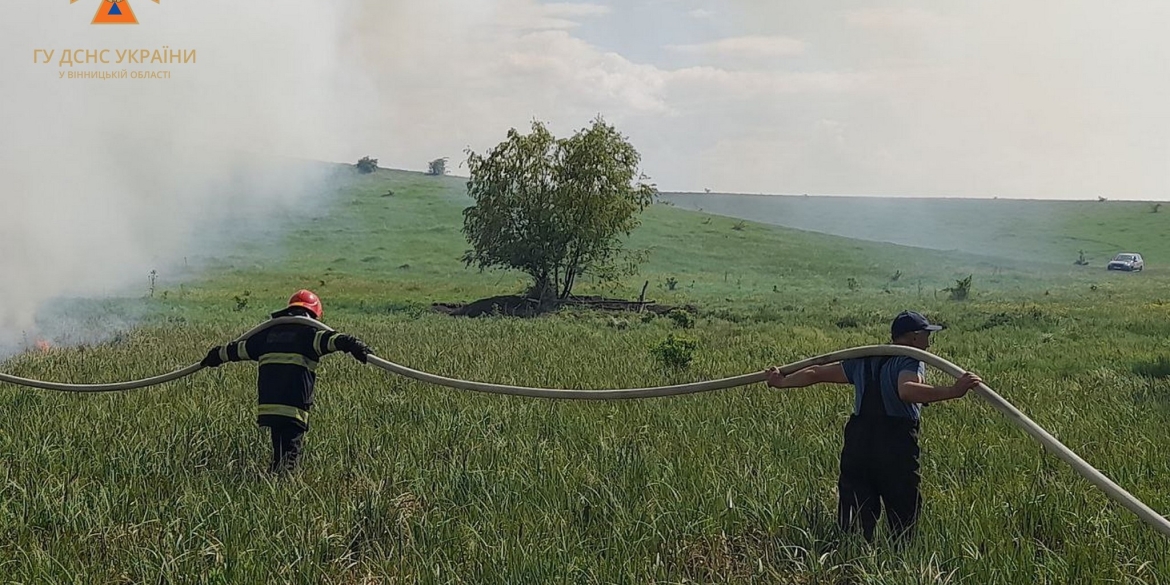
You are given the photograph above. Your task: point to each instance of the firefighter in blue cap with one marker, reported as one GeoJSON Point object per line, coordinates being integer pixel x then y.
{"type": "Point", "coordinates": [288, 355]}
{"type": "Point", "coordinates": [879, 462]}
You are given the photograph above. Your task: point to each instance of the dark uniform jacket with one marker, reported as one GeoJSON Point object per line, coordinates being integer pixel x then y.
{"type": "Point", "coordinates": [288, 356]}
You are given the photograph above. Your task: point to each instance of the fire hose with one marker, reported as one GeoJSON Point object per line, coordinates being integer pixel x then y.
{"type": "Point", "coordinates": [1054, 446]}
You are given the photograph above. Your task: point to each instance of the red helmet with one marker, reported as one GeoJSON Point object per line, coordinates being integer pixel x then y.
{"type": "Point", "coordinates": [308, 300]}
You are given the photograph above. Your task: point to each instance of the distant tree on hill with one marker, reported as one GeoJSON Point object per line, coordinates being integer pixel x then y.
{"type": "Point", "coordinates": [437, 167]}
{"type": "Point", "coordinates": [367, 165]}
{"type": "Point", "coordinates": [556, 208]}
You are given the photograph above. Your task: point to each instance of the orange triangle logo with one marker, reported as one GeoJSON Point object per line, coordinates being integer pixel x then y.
{"type": "Point", "coordinates": [115, 12]}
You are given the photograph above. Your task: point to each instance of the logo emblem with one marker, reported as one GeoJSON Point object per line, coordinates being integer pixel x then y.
{"type": "Point", "coordinates": [114, 12]}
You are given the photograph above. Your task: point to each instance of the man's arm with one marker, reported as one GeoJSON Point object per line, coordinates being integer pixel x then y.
{"type": "Point", "coordinates": [329, 342]}
{"type": "Point", "coordinates": [235, 351]}
{"type": "Point", "coordinates": [912, 387]}
{"type": "Point", "coordinates": [833, 373]}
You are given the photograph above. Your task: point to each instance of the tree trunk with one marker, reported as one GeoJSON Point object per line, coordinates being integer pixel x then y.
{"type": "Point", "coordinates": [566, 285]}
{"type": "Point", "coordinates": [571, 272]}
{"type": "Point", "coordinates": [543, 290]}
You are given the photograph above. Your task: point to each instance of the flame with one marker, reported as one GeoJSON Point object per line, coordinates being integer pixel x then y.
{"type": "Point", "coordinates": [43, 345]}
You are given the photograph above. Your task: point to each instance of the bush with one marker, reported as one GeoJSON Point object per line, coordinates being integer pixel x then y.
{"type": "Point", "coordinates": [681, 318]}
{"type": "Point", "coordinates": [437, 167]}
{"type": "Point", "coordinates": [675, 352]}
{"type": "Point", "coordinates": [961, 290]}
{"type": "Point", "coordinates": [242, 300]}
{"type": "Point", "coordinates": [367, 165]}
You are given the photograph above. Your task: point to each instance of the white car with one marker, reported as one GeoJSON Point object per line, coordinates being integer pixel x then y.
{"type": "Point", "coordinates": [1126, 261]}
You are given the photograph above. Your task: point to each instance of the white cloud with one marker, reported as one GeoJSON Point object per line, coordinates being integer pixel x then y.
{"type": "Point", "coordinates": [578, 71]}
{"type": "Point", "coordinates": [896, 18]}
{"type": "Point", "coordinates": [572, 9]}
{"type": "Point", "coordinates": [729, 86]}
{"type": "Point", "coordinates": [747, 47]}
{"type": "Point", "coordinates": [557, 15]}
{"type": "Point", "coordinates": [701, 13]}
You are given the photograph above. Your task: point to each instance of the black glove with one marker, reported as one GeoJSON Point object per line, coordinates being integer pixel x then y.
{"type": "Point", "coordinates": [354, 346]}
{"type": "Point", "coordinates": [212, 360]}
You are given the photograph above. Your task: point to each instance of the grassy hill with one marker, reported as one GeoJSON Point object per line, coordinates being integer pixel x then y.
{"type": "Point", "coordinates": [404, 248]}
{"type": "Point", "coordinates": [406, 483]}
{"type": "Point", "coordinates": [1031, 231]}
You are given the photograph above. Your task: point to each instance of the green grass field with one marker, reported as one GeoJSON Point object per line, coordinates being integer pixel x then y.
{"type": "Point", "coordinates": [405, 482]}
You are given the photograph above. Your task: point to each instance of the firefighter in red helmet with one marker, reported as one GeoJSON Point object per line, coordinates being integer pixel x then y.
{"type": "Point", "coordinates": [288, 356]}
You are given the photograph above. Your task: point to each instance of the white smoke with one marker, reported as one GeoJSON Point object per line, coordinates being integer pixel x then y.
{"type": "Point", "coordinates": [104, 180]}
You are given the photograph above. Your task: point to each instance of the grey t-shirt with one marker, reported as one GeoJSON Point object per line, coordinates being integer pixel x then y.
{"type": "Point", "coordinates": [894, 366]}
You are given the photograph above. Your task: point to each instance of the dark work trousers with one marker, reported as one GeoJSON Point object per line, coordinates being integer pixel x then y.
{"type": "Point", "coordinates": [287, 441]}
{"type": "Point", "coordinates": [879, 465]}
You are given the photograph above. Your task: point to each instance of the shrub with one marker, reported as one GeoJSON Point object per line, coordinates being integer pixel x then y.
{"type": "Point", "coordinates": [242, 300]}
{"type": "Point", "coordinates": [367, 165]}
{"type": "Point", "coordinates": [676, 351]}
{"type": "Point", "coordinates": [961, 289]}
{"type": "Point", "coordinates": [681, 318]}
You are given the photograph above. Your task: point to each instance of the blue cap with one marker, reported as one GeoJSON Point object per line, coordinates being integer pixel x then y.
{"type": "Point", "coordinates": [908, 322]}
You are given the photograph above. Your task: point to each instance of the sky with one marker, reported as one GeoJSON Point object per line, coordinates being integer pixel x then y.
{"type": "Point", "coordinates": [106, 180]}
{"type": "Point", "coordinates": [1040, 99]}
{"type": "Point", "coordinates": [1043, 99]}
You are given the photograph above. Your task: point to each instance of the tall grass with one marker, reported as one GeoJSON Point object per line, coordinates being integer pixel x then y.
{"type": "Point", "coordinates": [406, 483]}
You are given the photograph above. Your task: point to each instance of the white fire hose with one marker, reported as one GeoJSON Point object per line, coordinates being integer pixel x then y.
{"type": "Point", "coordinates": [1095, 477]}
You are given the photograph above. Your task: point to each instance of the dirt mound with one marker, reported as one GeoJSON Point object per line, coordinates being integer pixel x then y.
{"type": "Point", "coordinates": [510, 305]}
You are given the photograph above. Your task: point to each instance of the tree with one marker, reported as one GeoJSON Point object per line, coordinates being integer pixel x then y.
{"type": "Point", "coordinates": [367, 165]}
{"type": "Point", "coordinates": [556, 208]}
{"type": "Point", "coordinates": [437, 167]}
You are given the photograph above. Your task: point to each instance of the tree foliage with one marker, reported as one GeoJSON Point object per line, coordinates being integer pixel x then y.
{"type": "Point", "coordinates": [367, 165]}
{"type": "Point", "coordinates": [556, 208]}
{"type": "Point", "coordinates": [437, 167]}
